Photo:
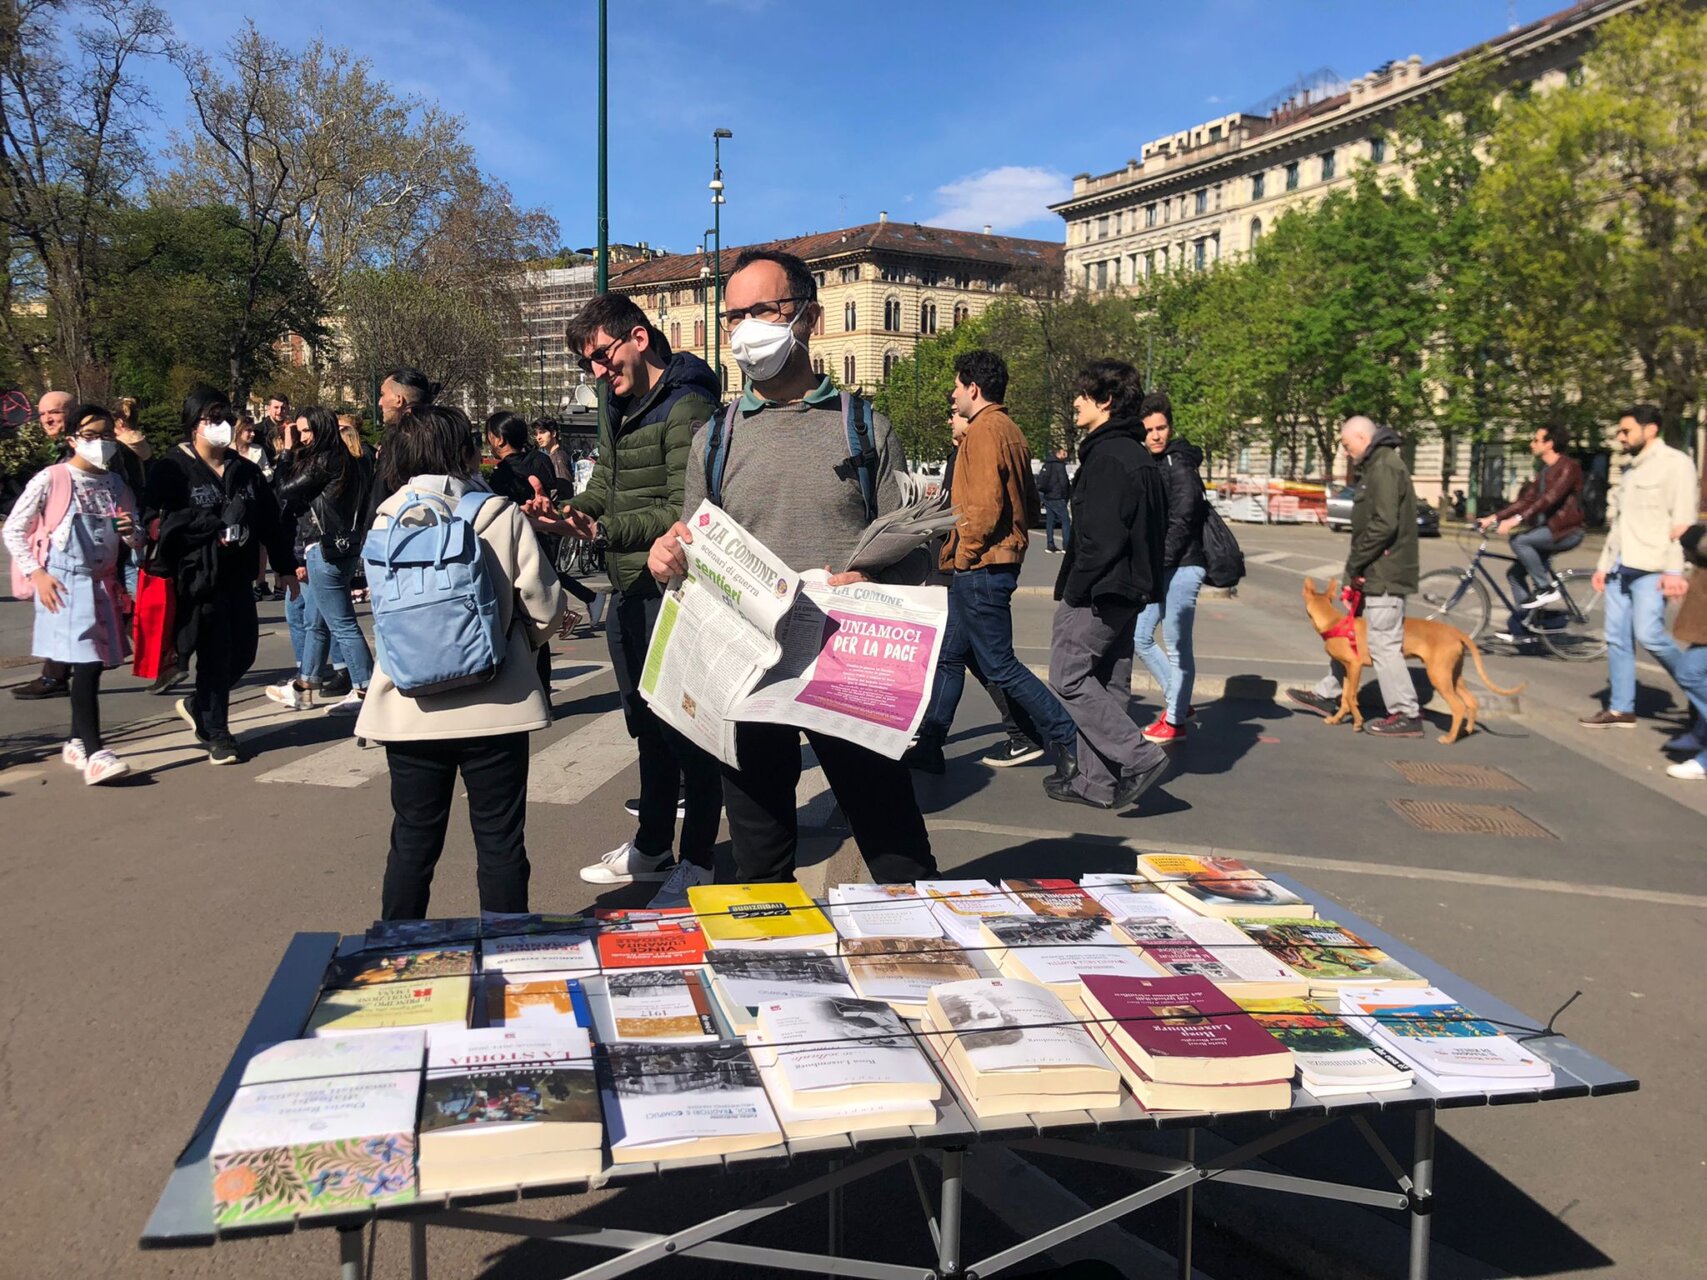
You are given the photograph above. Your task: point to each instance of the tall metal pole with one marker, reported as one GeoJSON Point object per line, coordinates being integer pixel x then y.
{"type": "Point", "coordinates": [601, 272]}
{"type": "Point", "coordinates": [717, 136]}
{"type": "Point", "coordinates": [704, 294]}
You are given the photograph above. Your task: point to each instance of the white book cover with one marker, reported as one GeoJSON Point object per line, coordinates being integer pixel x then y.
{"type": "Point", "coordinates": [1204, 946]}
{"type": "Point", "coordinates": [961, 905]}
{"type": "Point", "coordinates": [659, 1004]}
{"type": "Point", "coordinates": [455, 1053]}
{"type": "Point", "coordinates": [571, 951]}
{"type": "Point", "coordinates": [881, 911]}
{"type": "Point", "coordinates": [659, 1095]}
{"type": "Point", "coordinates": [294, 1112]}
{"type": "Point", "coordinates": [1126, 897]}
{"type": "Point", "coordinates": [855, 1116]}
{"type": "Point", "coordinates": [754, 978]}
{"type": "Point", "coordinates": [327, 1056]}
{"type": "Point", "coordinates": [1058, 951]}
{"type": "Point", "coordinates": [1016, 1026]}
{"type": "Point", "coordinates": [1426, 1026]}
{"type": "Point", "coordinates": [841, 1041]}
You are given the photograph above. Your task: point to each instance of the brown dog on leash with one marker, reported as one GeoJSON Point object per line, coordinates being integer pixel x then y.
{"type": "Point", "coordinates": [1439, 645]}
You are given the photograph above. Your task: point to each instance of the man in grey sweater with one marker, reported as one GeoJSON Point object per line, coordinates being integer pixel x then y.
{"type": "Point", "coordinates": [787, 477]}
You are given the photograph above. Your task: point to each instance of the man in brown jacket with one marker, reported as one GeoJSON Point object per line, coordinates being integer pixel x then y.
{"type": "Point", "coordinates": [994, 496]}
{"type": "Point", "coordinates": [1550, 509]}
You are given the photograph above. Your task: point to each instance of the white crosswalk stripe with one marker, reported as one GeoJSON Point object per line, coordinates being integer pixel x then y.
{"type": "Point", "coordinates": [575, 766]}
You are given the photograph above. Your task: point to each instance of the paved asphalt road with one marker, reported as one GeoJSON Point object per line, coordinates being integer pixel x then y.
{"type": "Point", "coordinates": [146, 919]}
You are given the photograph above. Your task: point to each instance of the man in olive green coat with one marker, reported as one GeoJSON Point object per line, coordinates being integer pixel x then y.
{"type": "Point", "coordinates": [653, 403]}
{"type": "Point", "coordinates": [1383, 565]}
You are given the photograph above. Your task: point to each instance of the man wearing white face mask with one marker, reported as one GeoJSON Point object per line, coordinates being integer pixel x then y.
{"type": "Point", "coordinates": [782, 467]}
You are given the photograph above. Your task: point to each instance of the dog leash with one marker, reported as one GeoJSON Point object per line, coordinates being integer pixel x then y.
{"type": "Point", "coordinates": [1347, 626]}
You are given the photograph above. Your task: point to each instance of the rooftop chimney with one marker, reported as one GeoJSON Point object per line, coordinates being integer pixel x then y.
{"type": "Point", "coordinates": [883, 215]}
{"type": "Point", "coordinates": [986, 228]}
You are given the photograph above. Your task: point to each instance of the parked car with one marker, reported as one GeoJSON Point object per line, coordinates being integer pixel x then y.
{"type": "Point", "coordinates": [1339, 514]}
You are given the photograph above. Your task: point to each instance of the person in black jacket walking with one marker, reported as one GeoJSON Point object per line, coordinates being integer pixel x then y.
{"type": "Point", "coordinates": [1053, 486]}
{"type": "Point", "coordinates": [1112, 569]}
{"type": "Point", "coordinates": [1183, 570]}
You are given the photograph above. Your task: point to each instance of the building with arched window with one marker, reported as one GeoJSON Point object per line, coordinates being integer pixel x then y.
{"type": "Point", "coordinates": [892, 315]}
{"type": "Point", "coordinates": [891, 358]}
{"type": "Point", "coordinates": [850, 371]}
{"type": "Point", "coordinates": [850, 316]}
{"type": "Point", "coordinates": [927, 317]}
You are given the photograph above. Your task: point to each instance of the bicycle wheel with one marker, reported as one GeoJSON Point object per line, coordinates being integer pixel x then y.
{"type": "Point", "coordinates": [1574, 629]}
{"type": "Point", "coordinates": [1455, 597]}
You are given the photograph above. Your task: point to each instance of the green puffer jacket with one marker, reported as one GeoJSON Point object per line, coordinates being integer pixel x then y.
{"type": "Point", "coordinates": [1384, 522]}
{"type": "Point", "coordinates": [636, 487]}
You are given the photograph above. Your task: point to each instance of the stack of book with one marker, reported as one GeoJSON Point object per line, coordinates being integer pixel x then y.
{"type": "Point", "coordinates": [1219, 886]}
{"type": "Point", "coordinates": [503, 1107]}
{"type": "Point", "coordinates": [1056, 951]}
{"type": "Point", "coordinates": [1326, 956]}
{"type": "Point", "coordinates": [538, 1000]}
{"type": "Point", "coordinates": [671, 1102]}
{"type": "Point", "coordinates": [1059, 898]}
{"type": "Point", "coordinates": [1333, 1058]}
{"type": "Point", "coordinates": [424, 989]}
{"type": "Point", "coordinates": [1011, 1048]}
{"type": "Point", "coordinates": [1448, 1046]}
{"type": "Point", "coordinates": [881, 911]}
{"type": "Point", "coordinates": [744, 980]}
{"type": "Point", "coordinates": [1133, 897]}
{"type": "Point", "coordinates": [319, 1126]}
{"type": "Point", "coordinates": [761, 917]}
{"type": "Point", "coordinates": [538, 944]}
{"type": "Point", "coordinates": [841, 1065]}
{"type": "Point", "coordinates": [1182, 1045]}
{"type": "Point", "coordinates": [660, 937]}
{"type": "Point", "coordinates": [902, 971]}
{"type": "Point", "coordinates": [960, 906]}
{"type": "Point", "coordinates": [1219, 950]}
{"type": "Point", "coordinates": [652, 1005]}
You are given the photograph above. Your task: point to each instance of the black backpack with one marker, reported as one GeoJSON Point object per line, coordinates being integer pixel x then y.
{"type": "Point", "coordinates": [1224, 561]}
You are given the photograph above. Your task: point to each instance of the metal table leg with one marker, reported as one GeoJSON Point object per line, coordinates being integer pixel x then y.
{"type": "Point", "coordinates": [349, 1253]}
{"type": "Point", "coordinates": [417, 1251]}
{"type": "Point", "coordinates": [948, 1252]}
{"type": "Point", "coordinates": [1422, 1192]}
{"type": "Point", "coordinates": [833, 1215]}
{"type": "Point", "coordinates": [1183, 1248]}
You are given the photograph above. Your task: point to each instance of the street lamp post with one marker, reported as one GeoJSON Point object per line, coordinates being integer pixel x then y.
{"type": "Point", "coordinates": [705, 292]}
{"type": "Point", "coordinates": [601, 269]}
{"type": "Point", "coordinates": [717, 136]}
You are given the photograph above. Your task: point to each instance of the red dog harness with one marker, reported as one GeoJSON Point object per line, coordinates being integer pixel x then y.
{"type": "Point", "coordinates": [1347, 626]}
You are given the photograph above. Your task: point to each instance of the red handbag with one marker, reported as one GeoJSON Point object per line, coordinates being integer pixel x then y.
{"type": "Point", "coordinates": [152, 626]}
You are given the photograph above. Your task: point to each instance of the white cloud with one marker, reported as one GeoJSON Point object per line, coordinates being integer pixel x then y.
{"type": "Point", "coordinates": [1215, 99]}
{"type": "Point", "coordinates": [1008, 197]}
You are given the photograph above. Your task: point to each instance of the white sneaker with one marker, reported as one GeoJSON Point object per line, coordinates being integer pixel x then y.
{"type": "Point", "coordinates": [1541, 601]}
{"type": "Point", "coordinates": [674, 892]}
{"type": "Point", "coordinates": [73, 754]}
{"type": "Point", "coordinates": [1687, 770]}
{"type": "Point", "coordinates": [104, 766]}
{"type": "Point", "coordinates": [626, 864]}
{"type": "Point", "coordinates": [291, 696]}
{"type": "Point", "coordinates": [350, 706]}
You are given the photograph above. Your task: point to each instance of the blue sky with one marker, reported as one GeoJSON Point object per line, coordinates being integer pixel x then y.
{"type": "Point", "coordinates": [946, 112]}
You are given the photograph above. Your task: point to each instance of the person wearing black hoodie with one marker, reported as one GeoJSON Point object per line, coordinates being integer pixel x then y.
{"type": "Point", "coordinates": [1183, 570]}
{"type": "Point", "coordinates": [1112, 568]}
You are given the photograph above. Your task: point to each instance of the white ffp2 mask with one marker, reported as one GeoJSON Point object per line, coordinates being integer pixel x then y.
{"type": "Point", "coordinates": [218, 434]}
{"type": "Point", "coordinates": [98, 453]}
{"type": "Point", "coordinates": [762, 347]}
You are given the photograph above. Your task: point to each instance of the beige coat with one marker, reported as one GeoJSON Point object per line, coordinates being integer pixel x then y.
{"type": "Point", "coordinates": [513, 702]}
{"type": "Point", "coordinates": [1657, 494]}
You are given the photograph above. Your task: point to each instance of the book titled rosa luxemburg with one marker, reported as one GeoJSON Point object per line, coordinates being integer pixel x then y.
{"type": "Point", "coordinates": [1185, 1030]}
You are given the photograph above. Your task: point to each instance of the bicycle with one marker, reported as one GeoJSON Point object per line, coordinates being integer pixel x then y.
{"type": "Point", "coordinates": [1572, 628]}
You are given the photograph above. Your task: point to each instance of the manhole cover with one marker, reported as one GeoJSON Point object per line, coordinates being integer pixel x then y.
{"type": "Point", "coordinates": [1446, 818]}
{"type": "Point", "coordinates": [1479, 777]}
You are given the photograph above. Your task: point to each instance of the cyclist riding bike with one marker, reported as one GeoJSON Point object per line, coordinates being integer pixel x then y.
{"type": "Point", "coordinates": [1550, 509]}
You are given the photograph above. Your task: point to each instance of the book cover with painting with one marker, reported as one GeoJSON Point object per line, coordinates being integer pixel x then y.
{"type": "Point", "coordinates": [652, 937]}
{"type": "Point", "coordinates": [1061, 898]}
{"type": "Point", "coordinates": [372, 968]}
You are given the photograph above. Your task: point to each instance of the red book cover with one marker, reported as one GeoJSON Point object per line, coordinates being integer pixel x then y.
{"type": "Point", "coordinates": [668, 936]}
{"type": "Point", "coordinates": [1180, 1018]}
{"type": "Point", "coordinates": [1061, 898]}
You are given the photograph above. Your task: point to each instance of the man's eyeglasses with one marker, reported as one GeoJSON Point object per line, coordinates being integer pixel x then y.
{"type": "Point", "coordinates": [600, 355]}
{"type": "Point", "coordinates": [769, 312]}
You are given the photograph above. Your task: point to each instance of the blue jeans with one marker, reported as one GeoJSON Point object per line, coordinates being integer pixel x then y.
{"type": "Point", "coordinates": [1635, 614]}
{"type": "Point", "coordinates": [981, 622]}
{"type": "Point", "coordinates": [1691, 676]}
{"type": "Point", "coordinates": [1534, 549]}
{"type": "Point", "coordinates": [1177, 612]}
{"type": "Point", "coordinates": [329, 584]}
{"type": "Point", "coordinates": [302, 617]}
{"type": "Point", "coordinates": [1055, 513]}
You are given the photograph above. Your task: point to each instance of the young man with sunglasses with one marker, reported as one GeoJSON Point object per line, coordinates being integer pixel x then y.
{"type": "Point", "coordinates": [653, 402]}
{"type": "Point", "coordinates": [786, 474]}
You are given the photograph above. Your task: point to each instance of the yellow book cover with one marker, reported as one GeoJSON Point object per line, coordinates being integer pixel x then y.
{"type": "Point", "coordinates": [430, 1002]}
{"type": "Point", "coordinates": [757, 913]}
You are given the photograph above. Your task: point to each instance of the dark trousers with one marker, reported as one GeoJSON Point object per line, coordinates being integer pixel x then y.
{"type": "Point", "coordinates": [423, 780]}
{"type": "Point", "coordinates": [670, 765]}
{"type": "Point", "coordinates": [875, 792]}
{"type": "Point", "coordinates": [86, 704]}
{"type": "Point", "coordinates": [1015, 721]}
{"type": "Point", "coordinates": [1055, 513]}
{"type": "Point", "coordinates": [226, 631]}
{"type": "Point", "coordinates": [1090, 667]}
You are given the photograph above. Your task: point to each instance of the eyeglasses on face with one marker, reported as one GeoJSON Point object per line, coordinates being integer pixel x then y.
{"type": "Point", "coordinates": [601, 355]}
{"type": "Point", "coordinates": [768, 312]}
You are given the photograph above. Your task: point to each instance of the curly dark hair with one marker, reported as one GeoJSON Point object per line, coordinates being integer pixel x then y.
{"type": "Point", "coordinates": [1114, 383]}
{"type": "Point", "coordinates": [985, 370]}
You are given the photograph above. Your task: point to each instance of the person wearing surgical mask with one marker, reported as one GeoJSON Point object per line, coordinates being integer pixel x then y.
{"type": "Point", "coordinates": [216, 512]}
{"type": "Point", "coordinates": [64, 535]}
{"type": "Point", "coordinates": [787, 475]}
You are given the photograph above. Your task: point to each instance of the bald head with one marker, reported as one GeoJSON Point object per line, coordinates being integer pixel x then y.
{"type": "Point", "coordinates": [50, 409]}
{"type": "Point", "coordinates": [1355, 435]}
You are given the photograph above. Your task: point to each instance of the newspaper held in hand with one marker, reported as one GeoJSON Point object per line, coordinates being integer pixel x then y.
{"type": "Point", "coordinates": [746, 638]}
{"type": "Point", "coordinates": [896, 534]}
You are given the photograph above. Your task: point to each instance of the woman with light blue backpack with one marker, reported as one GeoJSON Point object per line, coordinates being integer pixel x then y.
{"type": "Point", "coordinates": [462, 598]}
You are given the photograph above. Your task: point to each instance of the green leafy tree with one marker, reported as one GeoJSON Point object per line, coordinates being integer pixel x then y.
{"type": "Point", "coordinates": [914, 396]}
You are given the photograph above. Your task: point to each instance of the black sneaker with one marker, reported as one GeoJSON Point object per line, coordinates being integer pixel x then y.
{"type": "Point", "coordinates": [633, 806]}
{"type": "Point", "coordinates": [1133, 785]}
{"type": "Point", "coordinates": [1056, 789]}
{"type": "Point", "coordinates": [168, 680]}
{"type": "Point", "coordinates": [42, 687]}
{"type": "Point", "coordinates": [1310, 700]}
{"type": "Point", "coordinates": [925, 755]}
{"type": "Point", "coordinates": [187, 714]}
{"type": "Point", "coordinates": [1396, 727]}
{"type": "Point", "coordinates": [1011, 751]}
{"type": "Point", "coordinates": [337, 687]}
{"type": "Point", "coordinates": [222, 749]}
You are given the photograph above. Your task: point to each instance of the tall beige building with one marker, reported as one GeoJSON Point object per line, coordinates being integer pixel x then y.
{"type": "Point", "coordinates": [883, 286]}
{"type": "Point", "coordinates": [1207, 192]}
